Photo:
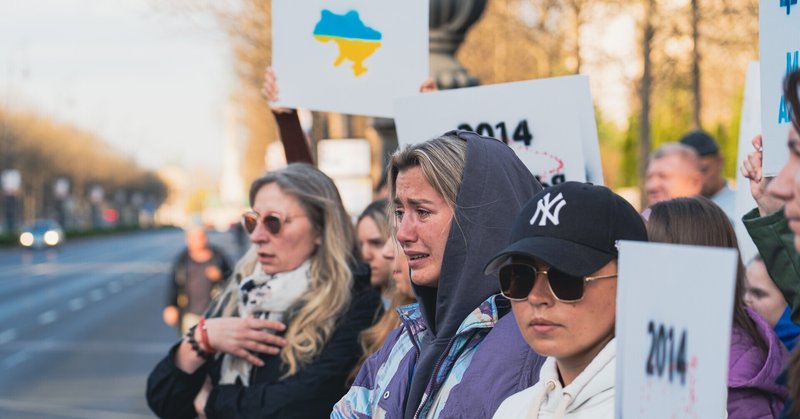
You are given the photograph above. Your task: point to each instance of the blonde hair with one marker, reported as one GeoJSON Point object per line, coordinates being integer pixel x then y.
{"type": "Point", "coordinates": [373, 338]}
{"type": "Point", "coordinates": [313, 318]}
{"type": "Point", "coordinates": [441, 161]}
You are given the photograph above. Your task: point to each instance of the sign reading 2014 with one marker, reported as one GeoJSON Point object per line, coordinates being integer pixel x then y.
{"type": "Point", "coordinates": [519, 136]}
{"type": "Point", "coordinates": [668, 355]}
{"type": "Point", "coordinates": [549, 123]}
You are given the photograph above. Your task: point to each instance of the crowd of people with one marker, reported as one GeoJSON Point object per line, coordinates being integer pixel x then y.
{"type": "Point", "coordinates": [457, 296]}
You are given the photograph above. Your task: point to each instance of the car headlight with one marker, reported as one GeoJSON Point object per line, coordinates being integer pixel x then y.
{"type": "Point", "coordinates": [51, 238]}
{"type": "Point", "coordinates": [26, 239]}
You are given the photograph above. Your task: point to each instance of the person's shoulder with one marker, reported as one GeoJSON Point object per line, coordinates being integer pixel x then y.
{"type": "Point", "coordinates": [361, 275]}
{"type": "Point", "coordinates": [518, 404]}
{"type": "Point", "coordinates": [362, 293]}
{"type": "Point", "coordinates": [181, 256]}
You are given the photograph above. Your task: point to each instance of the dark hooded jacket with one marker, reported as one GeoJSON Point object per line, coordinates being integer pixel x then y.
{"type": "Point", "coordinates": [453, 320]}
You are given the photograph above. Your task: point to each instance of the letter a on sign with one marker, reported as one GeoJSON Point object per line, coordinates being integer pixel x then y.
{"type": "Point", "coordinates": [545, 208]}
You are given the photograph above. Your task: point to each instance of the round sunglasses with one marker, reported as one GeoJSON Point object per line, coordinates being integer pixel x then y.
{"type": "Point", "coordinates": [273, 221]}
{"type": "Point", "coordinates": [517, 281]}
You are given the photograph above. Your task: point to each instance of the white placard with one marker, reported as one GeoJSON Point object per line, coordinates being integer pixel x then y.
{"type": "Point", "coordinates": [349, 56]}
{"type": "Point", "coordinates": [674, 314]}
{"type": "Point", "coordinates": [344, 158]}
{"type": "Point", "coordinates": [356, 193]}
{"type": "Point", "coordinates": [779, 53]}
{"type": "Point", "coordinates": [11, 181]}
{"type": "Point", "coordinates": [549, 123]}
{"type": "Point", "coordinates": [96, 194]}
{"type": "Point", "coordinates": [749, 127]}
{"type": "Point", "coordinates": [61, 188]}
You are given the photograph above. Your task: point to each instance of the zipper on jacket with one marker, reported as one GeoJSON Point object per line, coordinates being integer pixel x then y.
{"type": "Point", "coordinates": [432, 385]}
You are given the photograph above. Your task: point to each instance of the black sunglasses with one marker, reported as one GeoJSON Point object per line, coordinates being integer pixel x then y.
{"type": "Point", "coordinates": [272, 222]}
{"type": "Point", "coordinates": [517, 281]}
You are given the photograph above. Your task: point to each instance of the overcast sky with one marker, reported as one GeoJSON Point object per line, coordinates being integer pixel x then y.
{"type": "Point", "coordinates": [151, 83]}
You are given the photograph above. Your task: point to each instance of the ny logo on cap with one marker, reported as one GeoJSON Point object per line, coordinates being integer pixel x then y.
{"type": "Point", "coordinates": [545, 207]}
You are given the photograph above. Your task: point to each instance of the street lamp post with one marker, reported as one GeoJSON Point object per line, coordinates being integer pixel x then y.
{"type": "Point", "coordinates": [448, 25]}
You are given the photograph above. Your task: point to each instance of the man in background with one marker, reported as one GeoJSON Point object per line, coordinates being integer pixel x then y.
{"type": "Point", "coordinates": [198, 274]}
{"type": "Point", "coordinates": [673, 172]}
{"type": "Point", "coordinates": [715, 187]}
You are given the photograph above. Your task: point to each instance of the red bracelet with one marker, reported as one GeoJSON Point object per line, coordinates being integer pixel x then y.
{"type": "Point", "coordinates": [204, 335]}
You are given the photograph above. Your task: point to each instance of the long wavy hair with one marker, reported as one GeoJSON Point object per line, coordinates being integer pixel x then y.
{"type": "Point", "coordinates": [701, 222]}
{"type": "Point", "coordinates": [374, 337]}
{"type": "Point", "coordinates": [313, 318]}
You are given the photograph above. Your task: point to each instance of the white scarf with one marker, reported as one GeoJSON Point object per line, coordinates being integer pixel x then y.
{"type": "Point", "coordinates": [264, 296]}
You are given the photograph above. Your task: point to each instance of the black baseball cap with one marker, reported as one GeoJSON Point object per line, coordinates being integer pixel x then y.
{"type": "Point", "coordinates": [701, 142]}
{"type": "Point", "coordinates": [573, 227]}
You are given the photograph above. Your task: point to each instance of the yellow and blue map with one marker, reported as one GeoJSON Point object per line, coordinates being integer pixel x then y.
{"type": "Point", "coordinates": [356, 41]}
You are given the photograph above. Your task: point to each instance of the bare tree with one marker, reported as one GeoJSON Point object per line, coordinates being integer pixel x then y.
{"type": "Point", "coordinates": [645, 90]}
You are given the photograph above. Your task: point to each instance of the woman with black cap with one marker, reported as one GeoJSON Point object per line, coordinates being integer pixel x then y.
{"type": "Point", "coordinates": [560, 273]}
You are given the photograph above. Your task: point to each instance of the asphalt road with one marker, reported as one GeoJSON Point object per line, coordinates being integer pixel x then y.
{"type": "Point", "coordinates": [81, 328]}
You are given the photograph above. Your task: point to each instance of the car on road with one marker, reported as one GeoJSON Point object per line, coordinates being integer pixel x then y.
{"type": "Point", "coordinates": [41, 233]}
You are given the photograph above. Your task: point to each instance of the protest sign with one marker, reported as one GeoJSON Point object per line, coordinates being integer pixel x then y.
{"type": "Point", "coordinates": [779, 54]}
{"type": "Point", "coordinates": [549, 123]}
{"type": "Point", "coordinates": [673, 330]}
{"type": "Point", "coordinates": [749, 127]}
{"type": "Point", "coordinates": [348, 163]}
{"type": "Point", "coordinates": [349, 56]}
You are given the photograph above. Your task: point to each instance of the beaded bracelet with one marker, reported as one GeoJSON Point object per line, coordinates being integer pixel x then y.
{"type": "Point", "coordinates": [196, 346]}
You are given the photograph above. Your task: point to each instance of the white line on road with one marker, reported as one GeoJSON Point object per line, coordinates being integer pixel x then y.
{"type": "Point", "coordinates": [41, 408]}
{"type": "Point", "coordinates": [48, 317]}
{"type": "Point", "coordinates": [96, 294]}
{"type": "Point", "coordinates": [15, 359]}
{"type": "Point", "coordinates": [8, 336]}
{"type": "Point", "coordinates": [76, 304]}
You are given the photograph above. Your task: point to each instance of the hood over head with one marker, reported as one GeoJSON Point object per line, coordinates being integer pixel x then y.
{"type": "Point", "coordinates": [494, 187]}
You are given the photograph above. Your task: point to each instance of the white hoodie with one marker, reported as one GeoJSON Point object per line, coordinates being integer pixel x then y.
{"type": "Point", "coordinates": [589, 396]}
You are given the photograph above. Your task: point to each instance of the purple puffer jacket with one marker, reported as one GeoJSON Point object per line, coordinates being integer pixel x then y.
{"type": "Point", "coordinates": [752, 390]}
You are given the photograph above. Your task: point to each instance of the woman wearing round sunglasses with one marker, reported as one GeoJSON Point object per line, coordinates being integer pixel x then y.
{"type": "Point", "coordinates": [453, 198]}
{"type": "Point", "coordinates": [757, 357]}
{"type": "Point", "coordinates": [282, 338]}
{"type": "Point", "coordinates": [560, 274]}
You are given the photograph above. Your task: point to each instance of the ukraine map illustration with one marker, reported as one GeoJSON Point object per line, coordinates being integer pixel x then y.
{"type": "Point", "coordinates": [356, 41]}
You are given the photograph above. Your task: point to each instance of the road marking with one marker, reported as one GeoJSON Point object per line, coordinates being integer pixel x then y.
{"type": "Point", "coordinates": [114, 287]}
{"type": "Point", "coordinates": [45, 346]}
{"type": "Point", "coordinates": [96, 294]}
{"type": "Point", "coordinates": [8, 336]}
{"type": "Point", "coordinates": [43, 408]}
{"type": "Point", "coordinates": [76, 304]}
{"type": "Point", "coordinates": [48, 317]}
{"type": "Point", "coordinates": [15, 359]}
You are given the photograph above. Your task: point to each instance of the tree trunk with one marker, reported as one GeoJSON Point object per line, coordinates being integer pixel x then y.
{"type": "Point", "coordinates": [577, 11]}
{"type": "Point", "coordinates": [645, 90]}
{"type": "Point", "coordinates": [696, 92]}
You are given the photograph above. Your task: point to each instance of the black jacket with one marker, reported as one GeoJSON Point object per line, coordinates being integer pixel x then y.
{"type": "Point", "coordinates": [311, 393]}
{"type": "Point", "coordinates": [176, 289]}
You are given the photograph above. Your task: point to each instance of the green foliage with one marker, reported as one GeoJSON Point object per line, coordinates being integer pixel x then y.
{"type": "Point", "coordinates": [671, 119]}
{"type": "Point", "coordinates": [727, 134]}
{"type": "Point", "coordinates": [630, 154]}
